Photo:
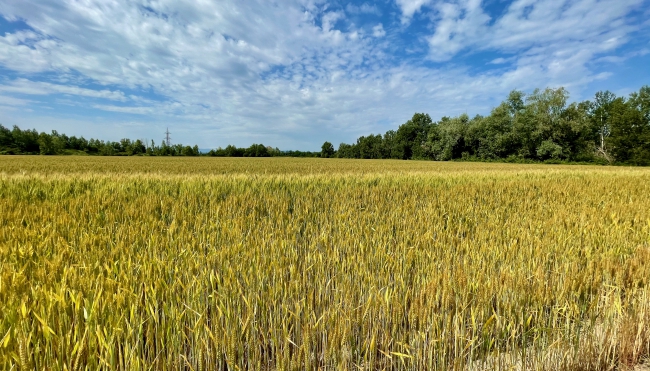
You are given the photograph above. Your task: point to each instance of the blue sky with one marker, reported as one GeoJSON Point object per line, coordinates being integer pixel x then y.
{"type": "Point", "coordinates": [294, 73]}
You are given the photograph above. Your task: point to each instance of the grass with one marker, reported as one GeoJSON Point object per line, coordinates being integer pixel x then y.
{"type": "Point", "coordinates": [290, 264]}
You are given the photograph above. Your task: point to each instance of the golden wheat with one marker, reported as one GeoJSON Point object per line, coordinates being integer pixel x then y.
{"type": "Point", "coordinates": [203, 264]}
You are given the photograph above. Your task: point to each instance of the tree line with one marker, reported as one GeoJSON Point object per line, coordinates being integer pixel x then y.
{"type": "Point", "coordinates": [258, 150]}
{"type": "Point", "coordinates": [30, 142]}
{"type": "Point", "coordinates": [536, 127]}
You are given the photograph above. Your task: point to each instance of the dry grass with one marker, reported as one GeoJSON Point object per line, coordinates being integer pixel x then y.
{"type": "Point", "coordinates": [201, 264]}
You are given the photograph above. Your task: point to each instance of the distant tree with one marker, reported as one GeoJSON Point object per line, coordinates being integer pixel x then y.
{"type": "Point", "coordinates": [600, 111]}
{"type": "Point", "coordinates": [79, 144]}
{"type": "Point", "coordinates": [515, 102]}
{"type": "Point", "coordinates": [327, 150]}
{"type": "Point", "coordinates": [389, 141]}
{"type": "Point", "coordinates": [106, 149]}
{"type": "Point", "coordinates": [347, 151]}
{"type": "Point", "coordinates": [371, 147]}
{"type": "Point", "coordinates": [94, 146]}
{"type": "Point", "coordinates": [549, 150]}
{"type": "Point", "coordinates": [491, 137]}
{"type": "Point", "coordinates": [257, 150]}
{"type": "Point", "coordinates": [277, 152]}
{"type": "Point", "coordinates": [7, 145]}
{"type": "Point", "coordinates": [232, 151]}
{"type": "Point", "coordinates": [410, 137]}
{"type": "Point", "coordinates": [49, 144]}
{"type": "Point", "coordinates": [629, 140]}
{"type": "Point", "coordinates": [137, 147]}
{"type": "Point", "coordinates": [126, 146]}
{"type": "Point", "coordinates": [446, 140]}
{"type": "Point", "coordinates": [641, 102]}
{"type": "Point", "coordinates": [151, 148]}
{"type": "Point", "coordinates": [574, 134]}
{"type": "Point", "coordinates": [26, 141]}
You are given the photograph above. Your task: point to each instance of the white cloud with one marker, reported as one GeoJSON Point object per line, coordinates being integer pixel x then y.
{"type": "Point", "coordinates": [24, 86]}
{"type": "Point", "coordinates": [364, 8]}
{"type": "Point", "coordinates": [552, 21]}
{"type": "Point", "coordinates": [529, 23]}
{"type": "Point", "coordinates": [554, 39]}
{"type": "Point", "coordinates": [618, 59]}
{"type": "Point", "coordinates": [329, 20]}
{"type": "Point", "coordinates": [410, 7]}
{"type": "Point", "coordinates": [378, 31]}
{"type": "Point", "coordinates": [12, 101]}
{"type": "Point", "coordinates": [500, 60]}
{"type": "Point", "coordinates": [457, 25]}
{"type": "Point", "coordinates": [135, 110]}
{"type": "Point", "coordinates": [25, 52]}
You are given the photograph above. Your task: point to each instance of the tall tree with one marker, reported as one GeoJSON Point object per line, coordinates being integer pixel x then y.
{"type": "Point", "coordinates": [600, 111]}
{"type": "Point", "coordinates": [491, 137]}
{"type": "Point", "coordinates": [411, 136]}
{"type": "Point", "coordinates": [347, 151]}
{"type": "Point", "coordinates": [327, 150]}
{"type": "Point", "coordinates": [629, 140]}
{"type": "Point", "coordinates": [446, 140]}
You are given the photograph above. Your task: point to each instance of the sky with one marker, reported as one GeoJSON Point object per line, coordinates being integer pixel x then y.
{"type": "Point", "coordinates": [295, 73]}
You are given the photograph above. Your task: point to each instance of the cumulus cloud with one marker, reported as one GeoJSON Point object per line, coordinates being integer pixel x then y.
{"type": "Point", "coordinates": [378, 31]}
{"type": "Point", "coordinates": [556, 39]}
{"type": "Point", "coordinates": [457, 25]}
{"type": "Point", "coordinates": [410, 7]}
{"type": "Point", "coordinates": [463, 25]}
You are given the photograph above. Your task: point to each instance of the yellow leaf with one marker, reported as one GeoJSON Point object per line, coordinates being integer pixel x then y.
{"type": "Point", "coordinates": [6, 338]}
{"type": "Point", "coordinates": [46, 328]}
{"type": "Point", "coordinates": [23, 310]}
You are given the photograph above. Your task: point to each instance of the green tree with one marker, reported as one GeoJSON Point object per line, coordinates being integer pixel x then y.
{"type": "Point", "coordinates": [257, 150]}
{"type": "Point", "coordinates": [410, 137]}
{"type": "Point", "coordinates": [7, 145]}
{"type": "Point", "coordinates": [26, 141]}
{"type": "Point", "coordinates": [347, 151]}
{"type": "Point", "coordinates": [137, 147]}
{"type": "Point", "coordinates": [549, 150]}
{"type": "Point", "coordinates": [538, 120]}
{"type": "Point", "coordinates": [327, 150]}
{"type": "Point", "coordinates": [446, 140]}
{"type": "Point", "coordinates": [574, 133]}
{"type": "Point", "coordinates": [232, 151]}
{"type": "Point", "coordinates": [49, 144]}
{"type": "Point", "coordinates": [600, 111]}
{"type": "Point", "coordinates": [515, 102]}
{"type": "Point", "coordinates": [629, 140]}
{"type": "Point", "coordinates": [641, 102]}
{"type": "Point", "coordinates": [491, 137]}
{"type": "Point", "coordinates": [187, 151]}
{"type": "Point", "coordinates": [126, 146]}
{"type": "Point", "coordinates": [370, 146]}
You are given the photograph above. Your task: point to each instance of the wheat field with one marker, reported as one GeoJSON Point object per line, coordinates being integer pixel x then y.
{"type": "Point", "coordinates": [321, 264]}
